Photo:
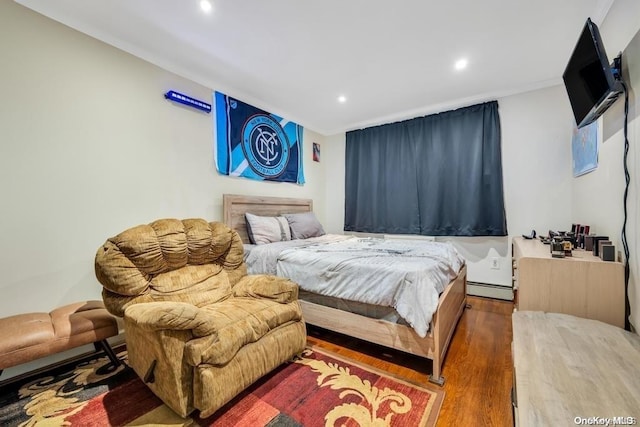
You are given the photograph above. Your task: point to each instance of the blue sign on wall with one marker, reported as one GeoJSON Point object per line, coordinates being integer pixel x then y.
{"type": "Point", "coordinates": [174, 96]}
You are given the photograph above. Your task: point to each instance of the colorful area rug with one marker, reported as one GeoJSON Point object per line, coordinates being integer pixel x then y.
{"type": "Point", "coordinates": [319, 389]}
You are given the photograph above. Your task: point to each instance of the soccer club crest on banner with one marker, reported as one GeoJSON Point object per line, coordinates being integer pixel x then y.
{"type": "Point", "coordinates": [252, 143]}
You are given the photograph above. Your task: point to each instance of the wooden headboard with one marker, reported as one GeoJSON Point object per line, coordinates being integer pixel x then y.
{"type": "Point", "coordinates": [234, 207]}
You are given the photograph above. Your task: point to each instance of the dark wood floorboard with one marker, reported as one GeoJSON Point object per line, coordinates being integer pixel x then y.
{"type": "Point", "coordinates": [477, 367]}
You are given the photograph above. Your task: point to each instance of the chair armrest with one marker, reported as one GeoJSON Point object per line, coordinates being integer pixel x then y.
{"type": "Point", "coordinates": [267, 286]}
{"type": "Point", "coordinates": [156, 316]}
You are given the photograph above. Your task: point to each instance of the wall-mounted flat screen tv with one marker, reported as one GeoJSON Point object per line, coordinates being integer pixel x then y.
{"type": "Point", "coordinates": [588, 77]}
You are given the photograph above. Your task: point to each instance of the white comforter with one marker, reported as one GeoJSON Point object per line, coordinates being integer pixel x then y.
{"type": "Point", "coordinates": [406, 275]}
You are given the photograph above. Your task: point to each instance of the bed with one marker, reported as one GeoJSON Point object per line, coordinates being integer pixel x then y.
{"type": "Point", "coordinates": [450, 304]}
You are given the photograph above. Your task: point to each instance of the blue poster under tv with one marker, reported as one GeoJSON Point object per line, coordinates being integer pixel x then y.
{"type": "Point", "coordinates": [584, 148]}
{"type": "Point", "coordinates": [255, 144]}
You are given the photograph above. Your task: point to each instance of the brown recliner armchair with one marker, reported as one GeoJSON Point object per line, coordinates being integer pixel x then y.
{"type": "Point", "coordinates": [199, 330]}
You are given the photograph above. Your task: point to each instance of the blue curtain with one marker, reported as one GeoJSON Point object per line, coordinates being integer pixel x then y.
{"type": "Point", "coordinates": [438, 175]}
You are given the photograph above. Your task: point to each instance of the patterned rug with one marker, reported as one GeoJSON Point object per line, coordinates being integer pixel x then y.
{"type": "Point", "coordinates": [319, 389]}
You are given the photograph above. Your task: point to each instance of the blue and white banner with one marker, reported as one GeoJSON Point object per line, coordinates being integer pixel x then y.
{"type": "Point", "coordinates": [254, 144]}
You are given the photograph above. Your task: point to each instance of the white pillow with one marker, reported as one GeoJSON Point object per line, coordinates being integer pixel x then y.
{"type": "Point", "coordinates": [267, 229]}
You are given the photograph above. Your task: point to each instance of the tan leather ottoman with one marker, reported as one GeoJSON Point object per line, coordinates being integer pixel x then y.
{"type": "Point", "coordinates": [26, 337]}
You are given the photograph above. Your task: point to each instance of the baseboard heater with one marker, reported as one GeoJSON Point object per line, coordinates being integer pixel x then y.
{"type": "Point", "coordinates": [409, 237]}
{"type": "Point", "coordinates": [489, 291]}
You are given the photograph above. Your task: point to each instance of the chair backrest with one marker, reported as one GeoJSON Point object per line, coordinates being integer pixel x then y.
{"type": "Point", "coordinates": [188, 260]}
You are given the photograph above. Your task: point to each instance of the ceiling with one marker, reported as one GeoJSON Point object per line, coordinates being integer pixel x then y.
{"type": "Point", "coordinates": [391, 60]}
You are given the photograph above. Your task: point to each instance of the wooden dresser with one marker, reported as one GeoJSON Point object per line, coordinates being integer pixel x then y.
{"type": "Point", "coordinates": [573, 371]}
{"type": "Point", "coordinates": [581, 285]}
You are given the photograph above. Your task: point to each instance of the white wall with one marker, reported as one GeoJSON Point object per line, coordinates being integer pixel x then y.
{"type": "Point", "coordinates": [334, 207]}
{"type": "Point", "coordinates": [88, 148]}
{"type": "Point", "coordinates": [536, 135]}
{"type": "Point", "coordinates": [597, 197]}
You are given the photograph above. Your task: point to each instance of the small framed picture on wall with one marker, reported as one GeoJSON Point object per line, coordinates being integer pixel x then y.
{"type": "Point", "coordinates": [316, 152]}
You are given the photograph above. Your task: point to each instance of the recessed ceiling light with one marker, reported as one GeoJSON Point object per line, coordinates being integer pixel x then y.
{"type": "Point", "coordinates": [205, 5]}
{"type": "Point", "coordinates": [342, 99]}
{"type": "Point", "coordinates": [461, 64]}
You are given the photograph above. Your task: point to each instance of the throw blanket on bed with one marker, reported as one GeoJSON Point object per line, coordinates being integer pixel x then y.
{"type": "Point", "coordinates": [406, 275]}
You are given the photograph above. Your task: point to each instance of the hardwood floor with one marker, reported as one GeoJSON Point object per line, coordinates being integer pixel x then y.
{"type": "Point", "coordinates": [477, 368]}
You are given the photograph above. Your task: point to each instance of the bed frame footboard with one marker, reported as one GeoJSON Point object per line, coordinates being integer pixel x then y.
{"type": "Point", "coordinates": [450, 308]}
{"type": "Point", "coordinates": [400, 337]}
